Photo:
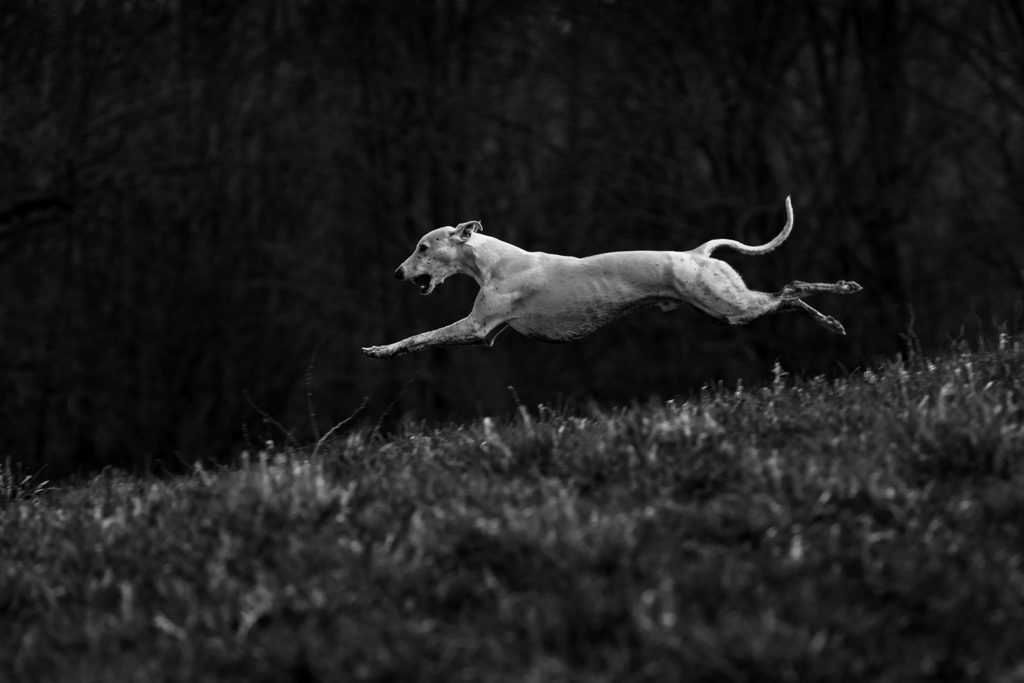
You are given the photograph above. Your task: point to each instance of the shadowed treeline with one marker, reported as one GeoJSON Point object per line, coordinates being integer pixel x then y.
{"type": "Point", "coordinates": [201, 203]}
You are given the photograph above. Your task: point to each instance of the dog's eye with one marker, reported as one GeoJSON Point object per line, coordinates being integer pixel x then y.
{"type": "Point", "coordinates": [423, 247]}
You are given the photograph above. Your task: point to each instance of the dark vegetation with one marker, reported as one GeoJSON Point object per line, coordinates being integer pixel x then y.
{"type": "Point", "coordinates": [201, 202]}
{"type": "Point", "coordinates": [868, 528]}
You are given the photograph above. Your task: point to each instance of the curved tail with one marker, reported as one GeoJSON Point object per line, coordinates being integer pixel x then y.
{"type": "Point", "coordinates": [709, 246]}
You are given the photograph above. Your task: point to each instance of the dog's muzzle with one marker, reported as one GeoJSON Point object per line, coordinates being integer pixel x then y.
{"type": "Point", "coordinates": [422, 281]}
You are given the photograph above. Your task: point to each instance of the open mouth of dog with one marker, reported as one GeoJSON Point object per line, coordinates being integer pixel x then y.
{"type": "Point", "coordinates": [424, 282]}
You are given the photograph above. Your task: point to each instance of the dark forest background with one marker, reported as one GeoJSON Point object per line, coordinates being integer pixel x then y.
{"type": "Point", "coordinates": [202, 202]}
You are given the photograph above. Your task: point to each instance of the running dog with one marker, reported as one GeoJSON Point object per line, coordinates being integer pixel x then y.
{"type": "Point", "coordinates": [562, 298]}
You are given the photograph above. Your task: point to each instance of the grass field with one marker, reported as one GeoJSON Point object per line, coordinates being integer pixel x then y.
{"type": "Point", "coordinates": [863, 529]}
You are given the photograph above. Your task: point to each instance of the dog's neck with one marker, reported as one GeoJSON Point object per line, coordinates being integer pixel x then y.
{"type": "Point", "coordinates": [482, 254]}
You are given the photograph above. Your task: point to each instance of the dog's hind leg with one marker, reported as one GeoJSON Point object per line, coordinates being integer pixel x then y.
{"type": "Point", "coordinates": [797, 289]}
{"type": "Point", "coordinates": [738, 307]}
{"type": "Point", "coordinates": [789, 297]}
{"type": "Point", "coordinates": [826, 321]}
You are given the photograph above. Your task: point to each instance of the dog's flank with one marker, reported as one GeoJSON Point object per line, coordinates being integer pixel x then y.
{"type": "Point", "coordinates": [561, 298]}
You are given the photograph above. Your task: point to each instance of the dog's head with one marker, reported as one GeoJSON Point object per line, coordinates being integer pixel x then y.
{"type": "Point", "coordinates": [437, 256]}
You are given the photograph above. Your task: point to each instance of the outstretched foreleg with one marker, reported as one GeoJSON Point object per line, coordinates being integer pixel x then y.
{"type": "Point", "coordinates": [465, 332]}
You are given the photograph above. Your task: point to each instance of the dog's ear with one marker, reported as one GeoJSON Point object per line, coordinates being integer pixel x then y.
{"type": "Point", "coordinates": [463, 231]}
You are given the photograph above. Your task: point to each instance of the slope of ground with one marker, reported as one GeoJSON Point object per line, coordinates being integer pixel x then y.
{"type": "Point", "coordinates": [868, 528]}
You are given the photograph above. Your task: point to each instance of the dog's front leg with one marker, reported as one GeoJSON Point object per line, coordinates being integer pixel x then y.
{"type": "Point", "coordinates": [464, 332]}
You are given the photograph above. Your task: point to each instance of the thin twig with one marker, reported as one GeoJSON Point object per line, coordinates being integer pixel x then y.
{"type": "Point", "coordinates": [309, 390]}
{"type": "Point", "coordinates": [338, 426]}
{"type": "Point", "coordinates": [270, 420]}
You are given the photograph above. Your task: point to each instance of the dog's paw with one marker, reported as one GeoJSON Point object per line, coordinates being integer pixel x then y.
{"type": "Point", "coordinates": [833, 325]}
{"type": "Point", "coordinates": [386, 351]}
{"type": "Point", "coordinates": [850, 287]}
{"type": "Point", "coordinates": [376, 351]}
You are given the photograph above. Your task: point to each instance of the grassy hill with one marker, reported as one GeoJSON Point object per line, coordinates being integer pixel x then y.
{"type": "Point", "coordinates": [868, 528]}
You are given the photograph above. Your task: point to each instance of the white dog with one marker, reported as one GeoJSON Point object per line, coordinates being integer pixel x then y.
{"type": "Point", "coordinates": [562, 298]}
